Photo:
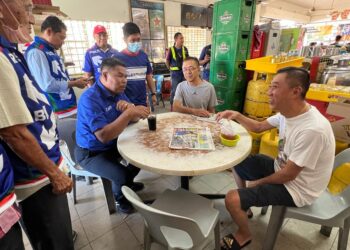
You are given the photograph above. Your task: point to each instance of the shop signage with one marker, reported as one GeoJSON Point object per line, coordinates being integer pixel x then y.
{"type": "Point", "coordinates": [344, 15]}
{"type": "Point", "coordinates": [193, 16]}
{"type": "Point", "coordinates": [146, 5]}
{"type": "Point", "coordinates": [225, 18]}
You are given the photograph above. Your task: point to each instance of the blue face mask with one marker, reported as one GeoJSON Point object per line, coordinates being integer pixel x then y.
{"type": "Point", "coordinates": [134, 47]}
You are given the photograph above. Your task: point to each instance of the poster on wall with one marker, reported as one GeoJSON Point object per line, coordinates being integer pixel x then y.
{"type": "Point", "coordinates": [156, 24]}
{"type": "Point", "coordinates": [149, 16]}
{"type": "Point", "coordinates": [289, 39]}
{"type": "Point", "coordinates": [146, 46]}
{"type": "Point", "coordinates": [344, 31]}
{"type": "Point", "coordinates": [158, 48]}
{"type": "Point", "coordinates": [322, 34]}
{"type": "Point", "coordinates": [140, 17]}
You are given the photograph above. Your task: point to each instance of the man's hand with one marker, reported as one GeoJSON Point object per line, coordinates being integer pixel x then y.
{"type": "Point", "coordinates": [138, 112]}
{"type": "Point", "coordinates": [154, 100]}
{"type": "Point", "coordinates": [79, 83]}
{"type": "Point", "coordinates": [61, 183]}
{"type": "Point", "coordinates": [206, 58]}
{"type": "Point", "coordinates": [201, 112]}
{"type": "Point", "coordinates": [227, 114]}
{"type": "Point", "coordinates": [253, 183]}
{"type": "Point", "coordinates": [123, 105]}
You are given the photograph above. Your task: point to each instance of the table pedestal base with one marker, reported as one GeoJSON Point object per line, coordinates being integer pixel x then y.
{"type": "Point", "coordinates": [185, 184]}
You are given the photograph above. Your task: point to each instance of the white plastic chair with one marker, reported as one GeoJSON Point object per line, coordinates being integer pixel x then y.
{"type": "Point", "coordinates": [66, 133]}
{"type": "Point", "coordinates": [177, 219]}
{"type": "Point", "coordinates": [328, 210]}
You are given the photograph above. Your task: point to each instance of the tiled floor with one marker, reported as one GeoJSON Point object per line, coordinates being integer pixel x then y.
{"type": "Point", "coordinates": [98, 230]}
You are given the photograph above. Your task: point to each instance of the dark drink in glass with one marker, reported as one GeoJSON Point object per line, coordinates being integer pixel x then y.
{"type": "Point", "coordinates": [152, 122]}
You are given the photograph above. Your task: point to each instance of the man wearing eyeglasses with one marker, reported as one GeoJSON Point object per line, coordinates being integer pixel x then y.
{"type": "Point", "coordinates": [303, 167]}
{"type": "Point", "coordinates": [98, 52]}
{"type": "Point", "coordinates": [194, 96]}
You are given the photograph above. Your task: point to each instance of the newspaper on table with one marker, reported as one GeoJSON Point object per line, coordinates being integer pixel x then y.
{"type": "Point", "coordinates": [192, 138]}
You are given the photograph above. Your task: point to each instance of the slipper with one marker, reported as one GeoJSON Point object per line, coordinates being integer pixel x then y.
{"type": "Point", "coordinates": [232, 244]}
{"type": "Point", "coordinates": [249, 213]}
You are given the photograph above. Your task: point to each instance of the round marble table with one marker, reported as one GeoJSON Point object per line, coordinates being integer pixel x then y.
{"type": "Point", "coordinates": [149, 150]}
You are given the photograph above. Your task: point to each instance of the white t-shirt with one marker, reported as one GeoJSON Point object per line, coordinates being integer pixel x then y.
{"type": "Point", "coordinates": [308, 141]}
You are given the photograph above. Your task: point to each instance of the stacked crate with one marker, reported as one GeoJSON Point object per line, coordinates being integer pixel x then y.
{"type": "Point", "coordinates": [233, 22]}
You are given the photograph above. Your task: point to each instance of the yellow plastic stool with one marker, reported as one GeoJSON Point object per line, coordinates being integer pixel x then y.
{"type": "Point", "coordinates": [340, 146]}
{"type": "Point", "coordinates": [269, 144]}
{"type": "Point", "coordinates": [256, 140]}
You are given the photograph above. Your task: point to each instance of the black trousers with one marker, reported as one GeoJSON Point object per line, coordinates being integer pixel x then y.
{"type": "Point", "coordinates": [13, 239]}
{"type": "Point", "coordinates": [47, 220]}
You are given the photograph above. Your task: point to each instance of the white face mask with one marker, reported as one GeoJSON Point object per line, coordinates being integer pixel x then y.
{"type": "Point", "coordinates": [19, 35]}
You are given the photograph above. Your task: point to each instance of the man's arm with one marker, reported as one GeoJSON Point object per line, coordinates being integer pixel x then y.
{"type": "Point", "coordinates": [249, 124]}
{"type": "Point", "coordinates": [40, 69]}
{"type": "Point", "coordinates": [287, 173]}
{"type": "Point", "coordinates": [167, 59]}
{"type": "Point", "coordinates": [203, 58]}
{"type": "Point", "coordinates": [178, 107]}
{"type": "Point", "coordinates": [24, 144]}
{"type": "Point", "coordinates": [115, 128]}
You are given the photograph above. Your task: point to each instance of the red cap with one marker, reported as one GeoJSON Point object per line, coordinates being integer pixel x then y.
{"type": "Point", "coordinates": [99, 29]}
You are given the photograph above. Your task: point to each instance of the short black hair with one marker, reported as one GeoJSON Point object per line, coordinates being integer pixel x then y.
{"type": "Point", "coordinates": [338, 38]}
{"type": "Point", "coordinates": [177, 34]}
{"type": "Point", "coordinates": [111, 62]}
{"type": "Point", "coordinates": [130, 28]}
{"type": "Point", "coordinates": [54, 23]}
{"type": "Point", "coordinates": [192, 58]}
{"type": "Point", "coordinates": [297, 77]}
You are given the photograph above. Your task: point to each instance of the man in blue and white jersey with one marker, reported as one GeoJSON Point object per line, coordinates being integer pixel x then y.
{"type": "Point", "coordinates": [98, 52]}
{"type": "Point", "coordinates": [138, 67]}
{"type": "Point", "coordinates": [30, 138]}
{"type": "Point", "coordinates": [48, 69]}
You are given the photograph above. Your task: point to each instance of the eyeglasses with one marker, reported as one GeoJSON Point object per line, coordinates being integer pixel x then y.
{"type": "Point", "coordinates": [185, 69]}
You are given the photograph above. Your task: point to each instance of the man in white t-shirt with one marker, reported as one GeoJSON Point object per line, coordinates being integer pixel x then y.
{"type": "Point", "coordinates": [194, 96]}
{"type": "Point", "coordinates": [302, 169]}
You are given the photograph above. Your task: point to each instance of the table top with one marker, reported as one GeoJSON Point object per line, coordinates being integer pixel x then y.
{"type": "Point", "coordinates": [150, 150]}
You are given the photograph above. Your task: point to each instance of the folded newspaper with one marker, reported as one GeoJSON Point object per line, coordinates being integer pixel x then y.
{"type": "Point", "coordinates": [192, 138]}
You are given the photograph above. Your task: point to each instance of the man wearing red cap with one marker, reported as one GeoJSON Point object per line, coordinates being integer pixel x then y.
{"type": "Point", "coordinates": [98, 52]}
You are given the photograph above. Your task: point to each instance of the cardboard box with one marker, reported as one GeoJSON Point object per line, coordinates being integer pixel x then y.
{"type": "Point", "coordinates": [339, 112]}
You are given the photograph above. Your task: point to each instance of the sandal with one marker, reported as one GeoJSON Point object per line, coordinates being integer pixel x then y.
{"type": "Point", "coordinates": [230, 243]}
{"type": "Point", "coordinates": [249, 213]}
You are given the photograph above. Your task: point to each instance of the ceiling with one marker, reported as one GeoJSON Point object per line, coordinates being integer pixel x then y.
{"type": "Point", "coordinates": [302, 11]}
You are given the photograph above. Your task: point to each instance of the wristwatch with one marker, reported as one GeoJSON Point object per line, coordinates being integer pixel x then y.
{"type": "Point", "coordinates": [152, 94]}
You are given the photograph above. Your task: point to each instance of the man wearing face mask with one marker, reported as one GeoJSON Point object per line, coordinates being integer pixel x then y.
{"type": "Point", "coordinates": [29, 136]}
{"type": "Point", "coordinates": [138, 67]}
{"type": "Point", "coordinates": [98, 52]}
{"type": "Point", "coordinates": [48, 68]}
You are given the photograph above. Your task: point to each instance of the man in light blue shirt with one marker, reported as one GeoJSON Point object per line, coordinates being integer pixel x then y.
{"type": "Point", "coordinates": [48, 69]}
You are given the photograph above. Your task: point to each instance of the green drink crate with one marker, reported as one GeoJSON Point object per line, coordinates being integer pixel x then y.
{"type": "Point", "coordinates": [233, 15]}
{"type": "Point", "coordinates": [232, 46]}
{"type": "Point", "coordinates": [229, 99]}
{"type": "Point", "coordinates": [229, 75]}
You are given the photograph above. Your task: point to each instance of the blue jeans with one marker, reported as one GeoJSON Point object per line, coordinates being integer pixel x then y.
{"type": "Point", "coordinates": [107, 165]}
{"type": "Point", "coordinates": [176, 78]}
